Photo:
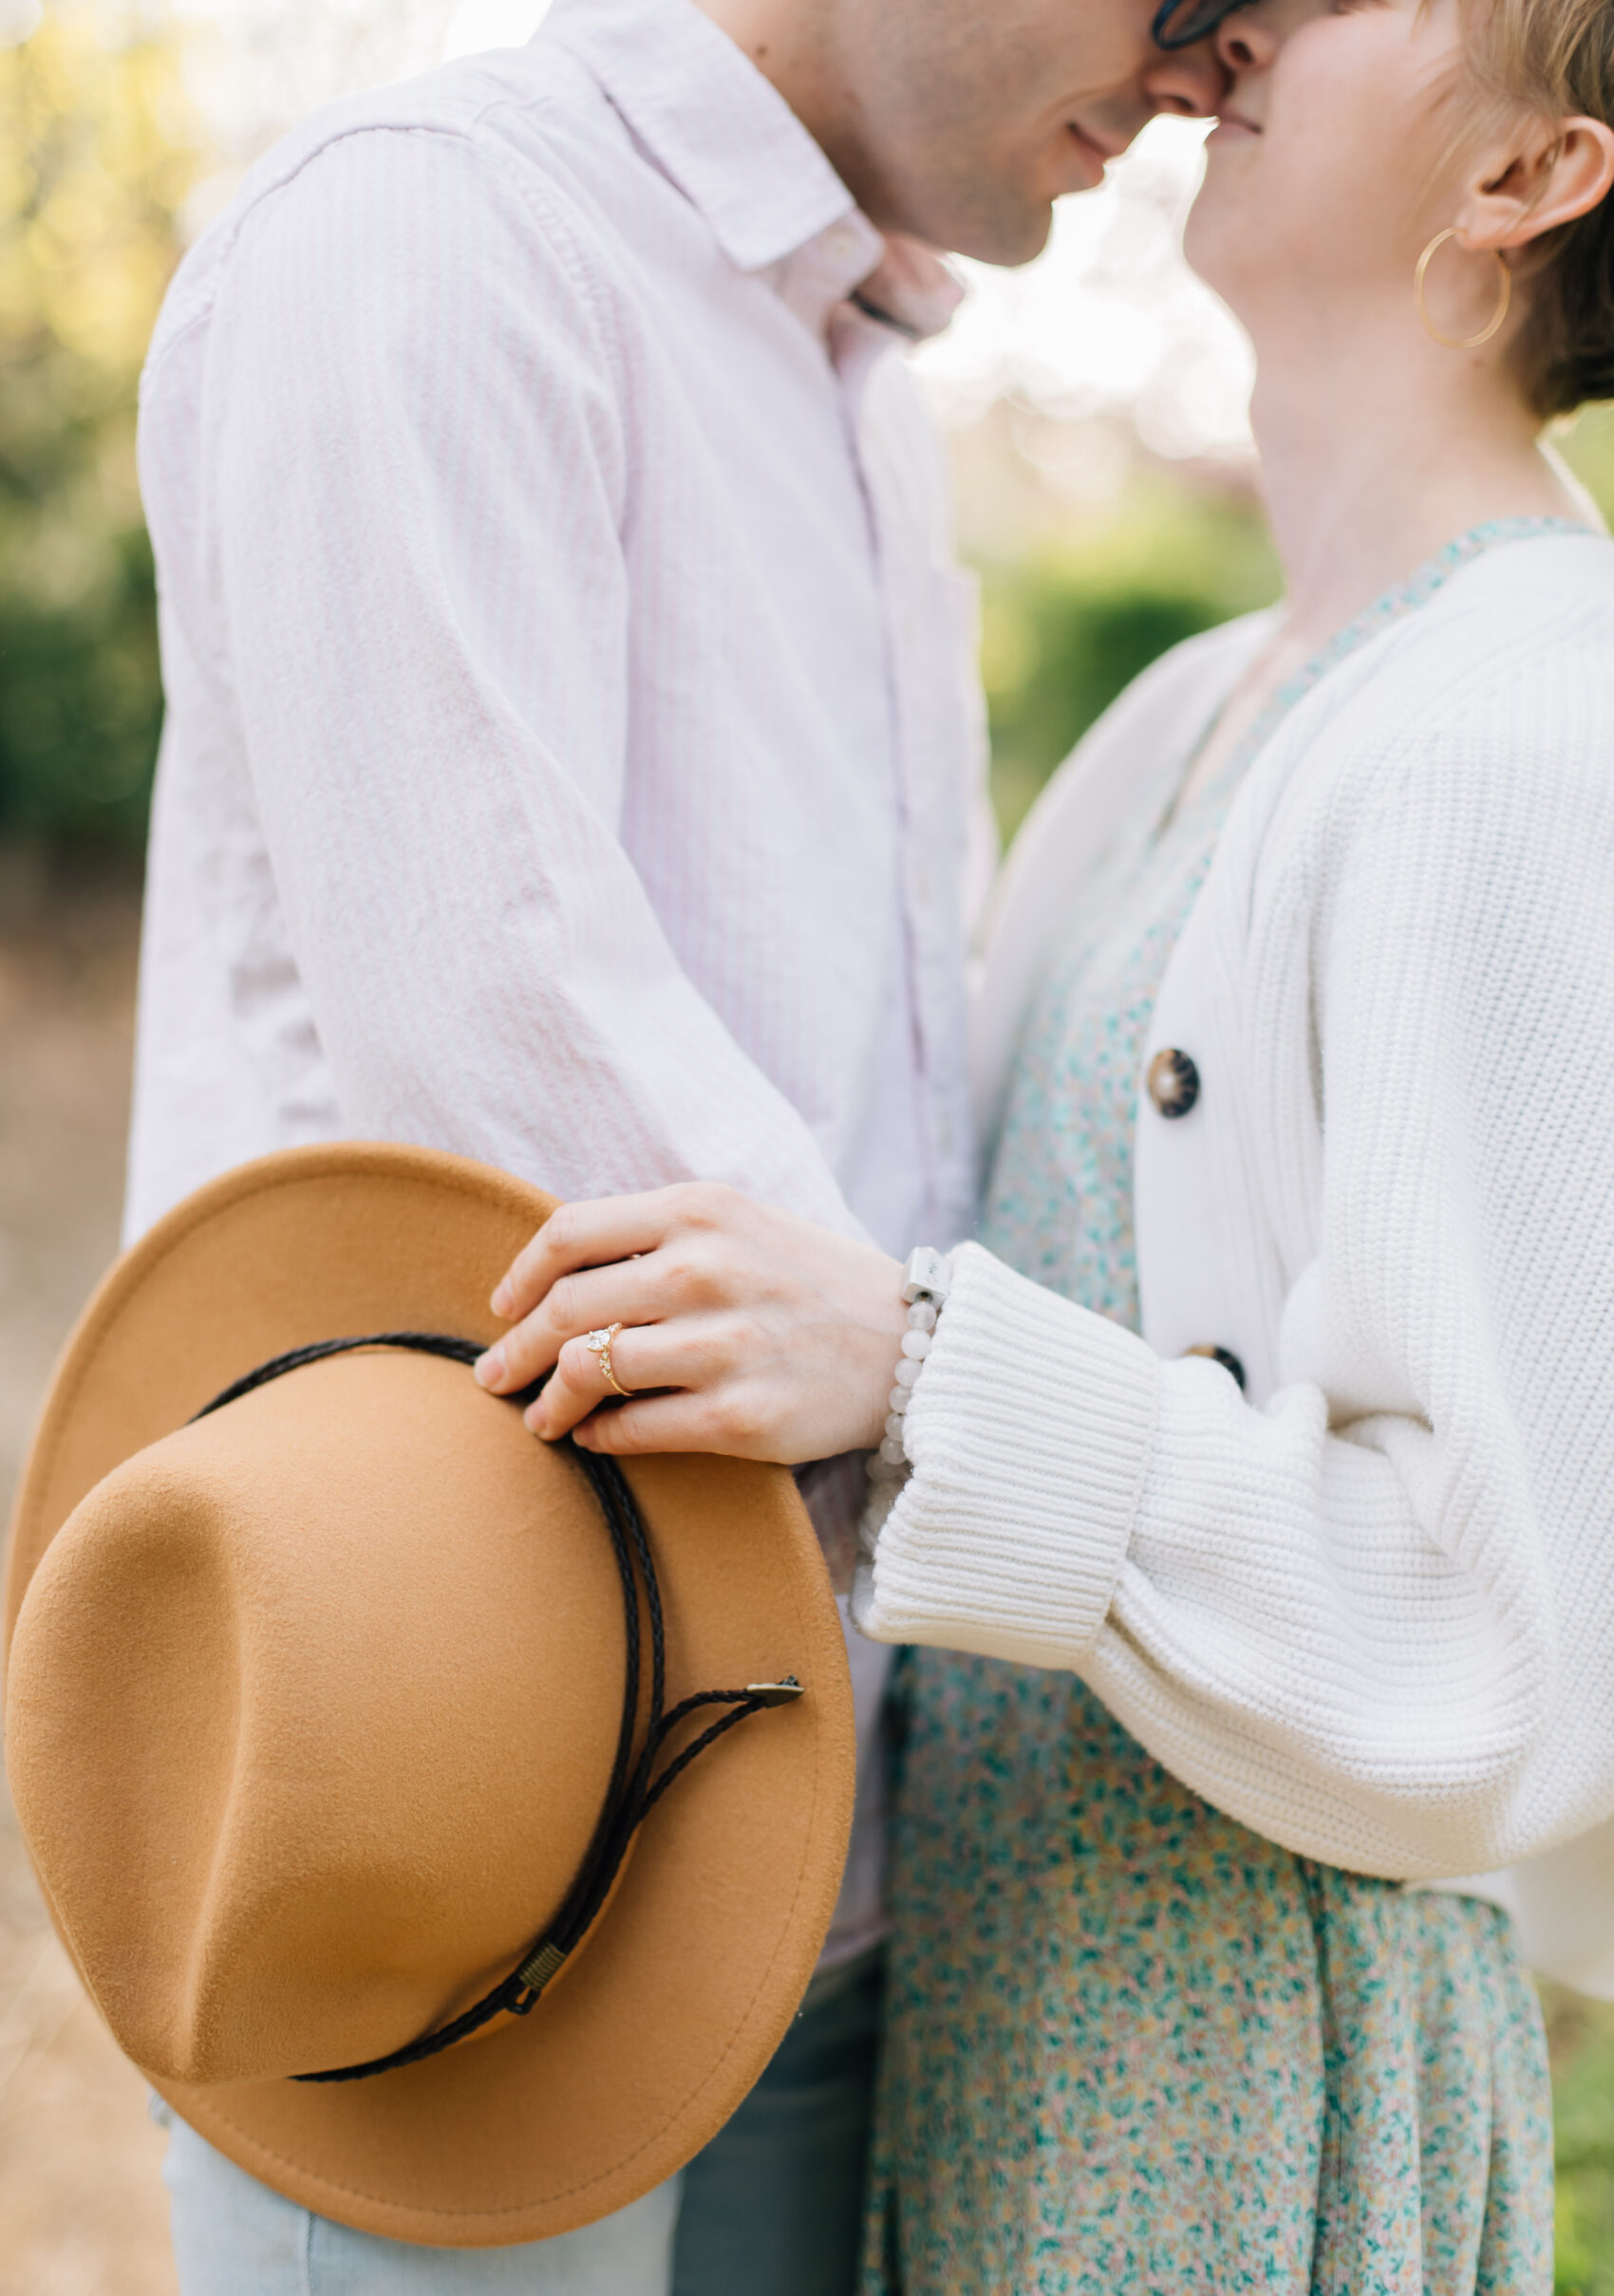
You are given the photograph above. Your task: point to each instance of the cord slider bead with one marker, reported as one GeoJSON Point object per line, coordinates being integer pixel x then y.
{"type": "Point", "coordinates": [776, 1693]}
{"type": "Point", "coordinates": [540, 1966]}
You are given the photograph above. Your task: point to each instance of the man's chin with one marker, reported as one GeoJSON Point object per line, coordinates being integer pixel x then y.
{"type": "Point", "coordinates": [992, 216]}
{"type": "Point", "coordinates": [1007, 236]}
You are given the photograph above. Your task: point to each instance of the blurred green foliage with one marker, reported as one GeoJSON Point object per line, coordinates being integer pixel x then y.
{"type": "Point", "coordinates": [1071, 622]}
{"type": "Point", "coordinates": [1587, 447]}
{"type": "Point", "coordinates": [97, 152]}
{"type": "Point", "coordinates": [1582, 2037]}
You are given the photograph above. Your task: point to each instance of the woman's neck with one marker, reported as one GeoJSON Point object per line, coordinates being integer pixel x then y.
{"type": "Point", "coordinates": [1372, 464]}
{"type": "Point", "coordinates": [1374, 458]}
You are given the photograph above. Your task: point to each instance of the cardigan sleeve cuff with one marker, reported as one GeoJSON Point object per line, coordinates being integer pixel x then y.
{"type": "Point", "coordinates": [1030, 1433]}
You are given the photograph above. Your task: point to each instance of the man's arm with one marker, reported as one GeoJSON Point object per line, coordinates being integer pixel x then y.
{"type": "Point", "coordinates": [417, 480]}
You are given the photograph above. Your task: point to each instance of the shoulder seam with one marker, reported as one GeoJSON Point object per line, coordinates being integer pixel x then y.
{"type": "Point", "coordinates": [530, 194]}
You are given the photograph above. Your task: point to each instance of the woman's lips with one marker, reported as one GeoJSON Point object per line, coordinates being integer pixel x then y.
{"type": "Point", "coordinates": [1230, 128]}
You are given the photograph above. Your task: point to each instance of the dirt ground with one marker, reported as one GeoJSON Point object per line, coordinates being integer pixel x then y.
{"type": "Point", "coordinates": [82, 2210]}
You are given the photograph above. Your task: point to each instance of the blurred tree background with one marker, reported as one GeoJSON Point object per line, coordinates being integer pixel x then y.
{"type": "Point", "coordinates": [102, 146]}
{"type": "Point", "coordinates": [1105, 531]}
{"type": "Point", "coordinates": [98, 149]}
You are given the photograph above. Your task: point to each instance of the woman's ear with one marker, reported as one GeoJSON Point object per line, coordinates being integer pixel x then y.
{"type": "Point", "coordinates": [1557, 172]}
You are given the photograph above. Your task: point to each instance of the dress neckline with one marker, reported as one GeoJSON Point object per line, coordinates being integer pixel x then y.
{"type": "Point", "coordinates": [1394, 604]}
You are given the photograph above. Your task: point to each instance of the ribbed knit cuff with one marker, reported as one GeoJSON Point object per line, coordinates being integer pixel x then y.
{"type": "Point", "coordinates": [1030, 1433]}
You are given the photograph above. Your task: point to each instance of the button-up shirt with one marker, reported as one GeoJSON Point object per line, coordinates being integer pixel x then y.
{"type": "Point", "coordinates": [570, 743]}
{"type": "Point", "coordinates": [571, 738]}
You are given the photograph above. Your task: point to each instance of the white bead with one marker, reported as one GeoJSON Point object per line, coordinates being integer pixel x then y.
{"type": "Point", "coordinates": [916, 1345]}
{"type": "Point", "coordinates": [893, 1427]}
{"type": "Point", "coordinates": [921, 1317]}
{"type": "Point", "coordinates": [906, 1372]}
{"type": "Point", "coordinates": [893, 1452]}
{"type": "Point", "coordinates": [880, 1470]}
{"type": "Point", "coordinates": [899, 1399]}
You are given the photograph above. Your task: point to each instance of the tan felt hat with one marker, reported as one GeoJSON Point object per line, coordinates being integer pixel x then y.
{"type": "Point", "coordinates": [313, 1709]}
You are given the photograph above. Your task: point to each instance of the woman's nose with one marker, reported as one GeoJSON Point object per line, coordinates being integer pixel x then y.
{"type": "Point", "coordinates": [1248, 41]}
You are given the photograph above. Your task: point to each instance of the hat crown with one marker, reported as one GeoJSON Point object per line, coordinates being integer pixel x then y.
{"type": "Point", "coordinates": [340, 1668]}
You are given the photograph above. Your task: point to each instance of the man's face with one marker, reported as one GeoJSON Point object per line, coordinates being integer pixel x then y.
{"type": "Point", "coordinates": [963, 121]}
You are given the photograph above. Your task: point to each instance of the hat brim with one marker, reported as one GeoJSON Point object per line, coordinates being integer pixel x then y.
{"type": "Point", "coordinates": [691, 1978]}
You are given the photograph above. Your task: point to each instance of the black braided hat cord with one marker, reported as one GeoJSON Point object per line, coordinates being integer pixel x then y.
{"type": "Point", "coordinates": [635, 1788]}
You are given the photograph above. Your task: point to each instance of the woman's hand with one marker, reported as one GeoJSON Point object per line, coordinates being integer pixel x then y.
{"type": "Point", "coordinates": [745, 1331]}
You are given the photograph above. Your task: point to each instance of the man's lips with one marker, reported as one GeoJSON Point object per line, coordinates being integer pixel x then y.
{"type": "Point", "coordinates": [1090, 157]}
{"type": "Point", "coordinates": [1230, 128]}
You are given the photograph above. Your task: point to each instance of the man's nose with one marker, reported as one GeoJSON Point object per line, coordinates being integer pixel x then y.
{"type": "Point", "coordinates": [1191, 81]}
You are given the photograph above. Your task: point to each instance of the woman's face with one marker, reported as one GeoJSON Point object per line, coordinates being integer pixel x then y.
{"type": "Point", "coordinates": [1323, 178]}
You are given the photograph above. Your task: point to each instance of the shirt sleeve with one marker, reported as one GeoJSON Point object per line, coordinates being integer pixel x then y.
{"type": "Point", "coordinates": [1370, 1620]}
{"type": "Point", "coordinates": [418, 462]}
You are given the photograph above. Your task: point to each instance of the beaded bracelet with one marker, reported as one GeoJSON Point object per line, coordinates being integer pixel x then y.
{"type": "Point", "coordinates": [925, 1280]}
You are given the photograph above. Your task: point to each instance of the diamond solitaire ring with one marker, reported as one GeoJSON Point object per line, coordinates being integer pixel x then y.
{"type": "Point", "coordinates": [599, 1347]}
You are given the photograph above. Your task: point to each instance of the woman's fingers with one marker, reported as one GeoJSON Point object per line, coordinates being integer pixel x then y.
{"type": "Point", "coordinates": [746, 1331]}
{"type": "Point", "coordinates": [582, 1236]}
{"type": "Point", "coordinates": [629, 1260]}
{"type": "Point", "coordinates": [667, 1423]}
{"type": "Point", "coordinates": [642, 1357]}
{"type": "Point", "coordinates": [587, 1301]}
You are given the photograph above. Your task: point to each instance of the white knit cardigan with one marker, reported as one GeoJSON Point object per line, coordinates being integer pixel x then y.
{"type": "Point", "coordinates": [1367, 1606]}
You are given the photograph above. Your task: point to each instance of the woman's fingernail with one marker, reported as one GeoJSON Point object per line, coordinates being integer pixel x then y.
{"type": "Point", "coordinates": [489, 1369]}
{"type": "Point", "coordinates": [535, 1418]}
{"type": "Point", "coordinates": [500, 1303]}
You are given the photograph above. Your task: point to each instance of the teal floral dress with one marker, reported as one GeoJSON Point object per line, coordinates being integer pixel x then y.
{"type": "Point", "coordinates": [1131, 2045]}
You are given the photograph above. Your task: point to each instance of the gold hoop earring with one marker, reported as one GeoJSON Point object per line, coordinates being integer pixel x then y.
{"type": "Point", "coordinates": [1504, 304]}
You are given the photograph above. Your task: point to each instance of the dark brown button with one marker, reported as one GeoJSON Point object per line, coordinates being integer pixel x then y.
{"type": "Point", "coordinates": [1223, 1355]}
{"type": "Point", "coordinates": [1173, 1083]}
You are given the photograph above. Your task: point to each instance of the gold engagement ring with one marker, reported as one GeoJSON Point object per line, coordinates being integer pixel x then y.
{"type": "Point", "coordinates": [599, 1347]}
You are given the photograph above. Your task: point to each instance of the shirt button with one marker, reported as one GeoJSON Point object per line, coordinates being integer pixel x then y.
{"type": "Point", "coordinates": [1173, 1083]}
{"type": "Point", "coordinates": [1225, 1356]}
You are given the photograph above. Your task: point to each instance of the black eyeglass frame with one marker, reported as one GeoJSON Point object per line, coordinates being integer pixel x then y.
{"type": "Point", "coordinates": [1201, 18]}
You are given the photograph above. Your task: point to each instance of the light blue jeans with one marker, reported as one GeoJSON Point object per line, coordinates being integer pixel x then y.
{"type": "Point", "coordinates": [772, 2207]}
{"type": "Point", "coordinates": [233, 2237]}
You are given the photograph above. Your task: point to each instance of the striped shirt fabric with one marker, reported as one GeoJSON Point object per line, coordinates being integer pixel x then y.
{"type": "Point", "coordinates": [571, 748]}
{"type": "Point", "coordinates": [573, 756]}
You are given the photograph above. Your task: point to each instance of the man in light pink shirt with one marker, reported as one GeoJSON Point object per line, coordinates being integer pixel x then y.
{"type": "Point", "coordinates": [572, 753]}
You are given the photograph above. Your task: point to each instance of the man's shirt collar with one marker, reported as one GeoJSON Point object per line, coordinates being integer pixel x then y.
{"type": "Point", "coordinates": [719, 130]}
{"type": "Point", "coordinates": [715, 126]}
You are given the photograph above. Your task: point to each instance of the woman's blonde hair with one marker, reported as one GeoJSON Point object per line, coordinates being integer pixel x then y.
{"type": "Point", "coordinates": [1557, 56]}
